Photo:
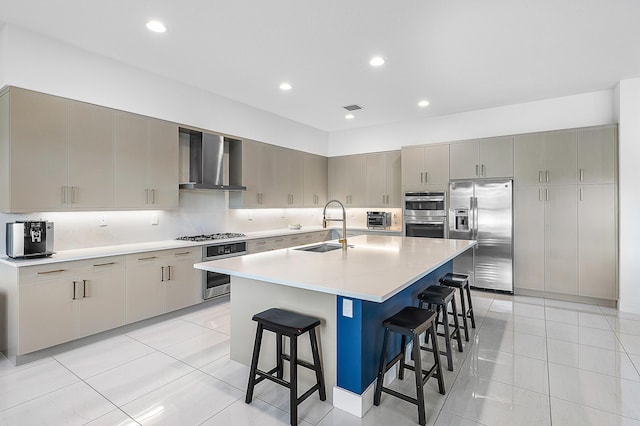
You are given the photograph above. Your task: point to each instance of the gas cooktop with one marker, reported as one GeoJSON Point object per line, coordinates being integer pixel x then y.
{"type": "Point", "coordinates": [207, 237]}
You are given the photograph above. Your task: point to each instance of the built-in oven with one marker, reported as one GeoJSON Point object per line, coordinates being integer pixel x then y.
{"type": "Point", "coordinates": [425, 214]}
{"type": "Point", "coordinates": [217, 284]}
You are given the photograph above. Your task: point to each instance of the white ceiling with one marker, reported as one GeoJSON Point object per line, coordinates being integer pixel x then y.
{"type": "Point", "coordinates": [461, 55]}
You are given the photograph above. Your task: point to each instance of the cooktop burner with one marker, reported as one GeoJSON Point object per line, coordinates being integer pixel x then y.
{"type": "Point", "coordinates": [207, 237]}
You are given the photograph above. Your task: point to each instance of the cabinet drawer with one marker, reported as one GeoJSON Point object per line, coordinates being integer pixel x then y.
{"type": "Point", "coordinates": [49, 271]}
{"type": "Point", "coordinates": [145, 257]}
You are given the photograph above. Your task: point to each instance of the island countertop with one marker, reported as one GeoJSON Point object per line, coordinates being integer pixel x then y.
{"type": "Point", "coordinates": [374, 267]}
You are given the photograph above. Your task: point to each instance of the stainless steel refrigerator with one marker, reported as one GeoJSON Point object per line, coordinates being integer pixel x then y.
{"type": "Point", "coordinates": [482, 210]}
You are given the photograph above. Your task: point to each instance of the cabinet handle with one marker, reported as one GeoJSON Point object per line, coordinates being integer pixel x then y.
{"type": "Point", "coordinates": [153, 196]}
{"type": "Point", "coordinates": [384, 199]}
{"type": "Point", "coordinates": [581, 175]}
{"type": "Point", "coordinates": [540, 194]}
{"type": "Point", "coordinates": [74, 291]}
{"type": "Point", "coordinates": [547, 176]}
{"type": "Point", "coordinates": [64, 195]}
{"type": "Point", "coordinates": [581, 194]}
{"type": "Point", "coordinates": [105, 264]}
{"type": "Point", "coordinates": [477, 170]}
{"type": "Point", "coordinates": [482, 170]}
{"type": "Point", "coordinates": [547, 194]}
{"type": "Point", "coordinates": [426, 177]}
{"type": "Point", "coordinates": [51, 272]}
{"type": "Point", "coordinates": [539, 176]}
{"type": "Point", "coordinates": [84, 289]}
{"type": "Point", "coordinates": [147, 258]}
{"type": "Point", "coordinates": [421, 177]}
{"type": "Point", "coordinates": [182, 253]}
{"type": "Point", "coordinates": [162, 274]}
{"type": "Point", "coordinates": [146, 196]}
{"type": "Point", "coordinates": [169, 272]}
{"type": "Point", "coordinates": [73, 194]}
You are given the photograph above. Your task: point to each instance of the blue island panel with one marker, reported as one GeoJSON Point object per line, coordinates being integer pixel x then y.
{"type": "Point", "coordinates": [360, 337]}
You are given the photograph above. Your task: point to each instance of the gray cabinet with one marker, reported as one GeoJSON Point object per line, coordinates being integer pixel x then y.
{"type": "Point", "coordinates": [546, 158]}
{"type": "Point", "coordinates": [316, 169]}
{"type": "Point", "coordinates": [146, 162]}
{"type": "Point", "coordinates": [597, 243]}
{"type": "Point", "coordinates": [528, 237]}
{"type": "Point", "coordinates": [383, 186]}
{"type": "Point", "coordinates": [482, 158]}
{"type": "Point", "coordinates": [561, 239]}
{"type": "Point", "coordinates": [288, 185]}
{"type": "Point", "coordinates": [425, 167]}
{"type": "Point", "coordinates": [597, 155]}
{"type": "Point", "coordinates": [347, 180]}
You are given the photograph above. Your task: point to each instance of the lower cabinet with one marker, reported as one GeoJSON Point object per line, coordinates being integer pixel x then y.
{"type": "Point", "coordinates": [65, 301]}
{"type": "Point", "coordinates": [162, 281]}
{"type": "Point", "coordinates": [278, 242]}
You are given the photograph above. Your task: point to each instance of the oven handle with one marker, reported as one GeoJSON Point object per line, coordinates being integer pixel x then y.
{"type": "Point", "coordinates": [422, 222]}
{"type": "Point", "coordinates": [436, 198]}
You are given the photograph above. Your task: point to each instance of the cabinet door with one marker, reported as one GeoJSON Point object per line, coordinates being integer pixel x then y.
{"type": "Point", "coordinates": [288, 177]}
{"type": "Point", "coordinates": [463, 160]}
{"type": "Point", "coordinates": [267, 175]}
{"type": "Point", "coordinates": [376, 179]}
{"type": "Point", "coordinates": [145, 287]}
{"type": "Point", "coordinates": [316, 169]}
{"type": "Point", "coordinates": [90, 156]}
{"type": "Point", "coordinates": [47, 314]}
{"type": "Point", "coordinates": [250, 176]}
{"type": "Point", "coordinates": [413, 166]}
{"type": "Point", "coordinates": [560, 152]}
{"type": "Point", "coordinates": [338, 179]}
{"type": "Point", "coordinates": [597, 155]}
{"type": "Point", "coordinates": [436, 168]}
{"type": "Point", "coordinates": [130, 170]}
{"type": "Point", "coordinates": [38, 151]}
{"type": "Point", "coordinates": [597, 241]}
{"type": "Point", "coordinates": [496, 157]}
{"type": "Point", "coordinates": [528, 241]}
{"type": "Point", "coordinates": [162, 164]}
{"type": "Point", "coordinates": [561, 239]}
{"type": "Point", "coordinates": [357, 180]}
{"type": "Point", "coordinates": [183, 283]}
{"type": "Point", "coordinates": [528, 167]}
{"type": "Point", "coordinates": [394, 177]}
{"type": "Point", "coordinates": [102, 300]}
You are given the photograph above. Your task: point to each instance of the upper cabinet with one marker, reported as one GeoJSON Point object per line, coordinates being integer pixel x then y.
{"type": "Point", "coordinates": [348, 180]}
{"type": "Point", "coordinates": [316, 169]}
{"type": "Point", "coordinates": [482, 158]}
{"type": "Point", "coordinates": [146, 162]}
{"type": "Point", "coordinates": [383, 179]}
{"type": "Point", "coordinates": [597, 154]}
{"type": "Point", "coordinates": [425, 166]}
{"type": "Point", "coordinates": [278, 177]}
{"type": "Point", "coordinates": [58, 154]}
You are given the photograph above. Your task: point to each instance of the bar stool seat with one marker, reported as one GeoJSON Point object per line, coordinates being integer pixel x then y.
{"type": "Point", "coordinates": [441, 297]}
{"type": "Point", "coordinates": [292, 325]}
{"type": "Point", "coordinates": [412, 322]}
{"type": "Point", "coordinates": [461, 282]}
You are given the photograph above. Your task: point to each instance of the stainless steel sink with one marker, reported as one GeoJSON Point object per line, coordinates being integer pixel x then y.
{"type": "Point", "coordinates": [321, 248]}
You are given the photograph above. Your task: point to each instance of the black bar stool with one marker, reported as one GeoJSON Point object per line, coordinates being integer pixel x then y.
{"type": "Point", "coordinates": [461, 281]}
{"type": "Point", "coordinates": [440, 297]}
{"type": "Point", "coordinates": [410, 321]}
{"type": "Point", "coordinates": [291, 325]}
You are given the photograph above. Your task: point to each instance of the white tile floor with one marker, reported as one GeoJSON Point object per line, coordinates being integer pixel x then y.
{"type": "Point", "coordinates": [530, 361]}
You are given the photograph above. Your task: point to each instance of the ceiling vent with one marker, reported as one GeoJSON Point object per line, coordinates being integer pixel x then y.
{"type": "Point", "coordinates": [353, 107]}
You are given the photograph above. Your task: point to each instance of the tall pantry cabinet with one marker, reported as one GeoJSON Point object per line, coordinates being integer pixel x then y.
{"type": "Point", "coordinates": [565, 224]}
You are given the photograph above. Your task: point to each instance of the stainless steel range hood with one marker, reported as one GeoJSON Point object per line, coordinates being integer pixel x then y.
{"type": "Point", "coordinates": [208, 154]}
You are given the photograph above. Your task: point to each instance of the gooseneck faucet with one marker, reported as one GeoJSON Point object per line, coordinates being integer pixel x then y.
{"type": "Point", "coordinates": [343, 241]}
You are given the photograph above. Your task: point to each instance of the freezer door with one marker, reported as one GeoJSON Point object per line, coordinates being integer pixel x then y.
{"type": "Point", "coordinates": [460, 210]}
{"type": "Point", "coordinates": [494, 218]}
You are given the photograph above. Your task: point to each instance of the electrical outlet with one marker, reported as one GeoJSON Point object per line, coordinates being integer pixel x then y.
{"type": "Point", "coordinates": [347, 308]}
{"type": "Point", "coordinates": [102, 220]}
{"type": "Point", "coordinates": [155, 219]}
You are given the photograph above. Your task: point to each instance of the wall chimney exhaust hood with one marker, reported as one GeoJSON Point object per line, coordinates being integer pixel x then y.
{"type": "Point", "coordinates": [208, 155]}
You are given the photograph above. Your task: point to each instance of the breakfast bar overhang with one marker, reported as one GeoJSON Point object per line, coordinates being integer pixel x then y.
{"type": "Point", "coordinates": [351, 291]}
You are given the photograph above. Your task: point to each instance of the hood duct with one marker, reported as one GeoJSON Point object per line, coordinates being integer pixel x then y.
{"type": "Point", "coordinates": [208, 155]}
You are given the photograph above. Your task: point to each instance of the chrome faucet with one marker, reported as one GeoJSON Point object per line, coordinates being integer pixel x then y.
{"type": "Point", "coordinates": [343, 241]}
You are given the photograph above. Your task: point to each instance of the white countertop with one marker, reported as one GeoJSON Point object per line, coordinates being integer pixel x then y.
{"type": "Point", "coordinates": [124, 249]}
{"type": "Point", "coordinates": [375, 268]}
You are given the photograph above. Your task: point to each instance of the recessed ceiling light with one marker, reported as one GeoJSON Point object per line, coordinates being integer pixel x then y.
{"type": "Point", "coordinates": [156, 27]}
{"type": "Point", "coordinates": [423, 103]}
{"type": "Point", "coordinates": [349, 116]}
{"type": "Point", "coordinates": [376, 61]}
{"type": "Point", "coordinates": [285, 86]}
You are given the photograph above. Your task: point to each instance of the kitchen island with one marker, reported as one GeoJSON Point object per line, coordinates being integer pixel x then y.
{"type": "Point", "coordinates": [351, 291]}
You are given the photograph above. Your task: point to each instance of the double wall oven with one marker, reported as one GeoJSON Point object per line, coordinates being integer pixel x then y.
{"type": "Point", "coordinates": [425, 214]}
{"type": "Point", "coordinates": [214, 283]}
